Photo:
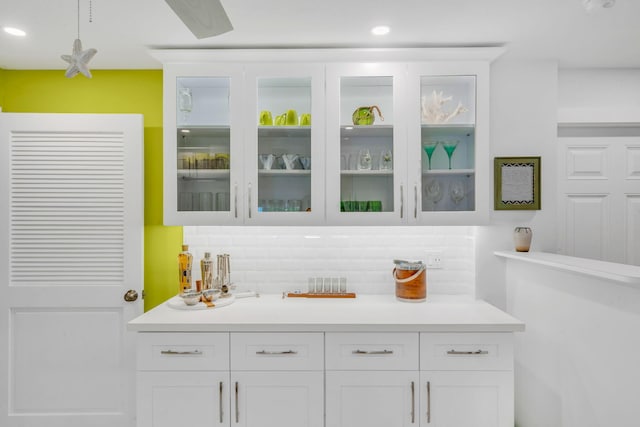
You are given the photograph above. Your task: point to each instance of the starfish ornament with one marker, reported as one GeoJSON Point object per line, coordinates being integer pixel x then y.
{"type": "Point", "coordinates": [78, 60]}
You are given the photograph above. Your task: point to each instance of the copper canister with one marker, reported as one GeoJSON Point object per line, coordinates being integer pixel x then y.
{"type": "Point", "coordinates": [411, 281]}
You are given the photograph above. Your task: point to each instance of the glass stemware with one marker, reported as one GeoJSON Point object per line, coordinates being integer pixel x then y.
{"type": "Point", "coordinates": [433, 191]}
{"type": "Point", "coordinates": [429, 148]}
{"type": "Point", "coordinates": [386, 161]}
{"type": "Point", "coordinates": [266, 160]}
{"type": "Point", "coordinates": [364, 159]}
{"type": "Point", "coordinates": [450, 146]}
{"type": "Point", "coordinates": [185, 102]}
{"type": "Point", "coordinates": [456, 191]}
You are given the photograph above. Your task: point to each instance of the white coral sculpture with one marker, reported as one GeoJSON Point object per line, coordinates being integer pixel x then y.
{"type": "Point", "coordinates": [432, 112]}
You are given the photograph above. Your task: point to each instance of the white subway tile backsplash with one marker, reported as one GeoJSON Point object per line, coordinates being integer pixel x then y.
{"type": "Point", "coordinates": [279, 259]}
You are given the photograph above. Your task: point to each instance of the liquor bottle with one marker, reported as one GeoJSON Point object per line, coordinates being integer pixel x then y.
{"type": "Point", "coordinates": [185, 261]}
{"type": "Point", "coordinates": [206, 268]}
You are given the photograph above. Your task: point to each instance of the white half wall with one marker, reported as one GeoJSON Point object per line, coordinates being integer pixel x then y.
{"type": "Point", "coordinates": [576, 365]}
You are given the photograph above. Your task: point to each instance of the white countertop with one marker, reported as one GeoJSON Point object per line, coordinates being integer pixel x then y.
{"type": "Point", "coordinates": [629, 274]}
{"type": "Point", "coordinates": [374, 313]}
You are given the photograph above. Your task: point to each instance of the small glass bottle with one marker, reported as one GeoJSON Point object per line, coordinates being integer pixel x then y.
{"type": "Point", "coordinates": [185, 262]}
{"type": "Point", "coordinates": [206, 268]}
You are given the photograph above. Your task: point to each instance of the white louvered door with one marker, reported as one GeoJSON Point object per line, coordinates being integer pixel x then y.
{"type": "Point", "coordinates": [71, 214]}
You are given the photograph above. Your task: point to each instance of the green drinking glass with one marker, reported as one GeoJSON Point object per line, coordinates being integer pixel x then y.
{"type": "Point", "coordinates": [429, 148]}
{"type": "Point", "coordinates": [375, 206]}
{"type": "Point", "coordinates": [450, 147]}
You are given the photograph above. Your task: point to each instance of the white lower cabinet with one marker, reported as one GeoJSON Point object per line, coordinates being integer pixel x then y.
{"type": "Point", "coordinates": [466, 398]}
{"type": "Point", "coordinates": [277, 379]}
{"type": "Point", "coordinates": [330, 379]}
{"type": "Point", "coordinates": [372, 398]}
{"type": "Point", "coordinates": [194, 399]}
{"type": "Point", "coordinates": [282, 399]}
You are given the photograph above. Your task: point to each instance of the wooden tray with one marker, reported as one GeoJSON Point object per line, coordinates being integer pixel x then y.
{"type": "Point", "coordinates": [314, 295]}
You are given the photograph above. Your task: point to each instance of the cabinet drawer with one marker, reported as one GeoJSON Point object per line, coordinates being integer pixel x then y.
{"type": "Point", "coordinates": [202, 351]}
{"type": "Point", "coordinates": [277, 351]}
{"type": "Point", "coordinates": [372, 351]}
{"type": "Point", "coordinates": [466, 351]}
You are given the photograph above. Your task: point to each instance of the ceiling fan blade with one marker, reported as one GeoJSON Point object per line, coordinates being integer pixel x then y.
{"type": "Point", "coordinates": [205, 18]}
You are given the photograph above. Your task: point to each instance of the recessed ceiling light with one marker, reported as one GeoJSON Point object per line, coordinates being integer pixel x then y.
{"type": "Point", "coordinates": [14, 31]}
{"type": "Point", "coordinates": [185, 131]}
{"type": "Point", "coordinates": [380, 30]}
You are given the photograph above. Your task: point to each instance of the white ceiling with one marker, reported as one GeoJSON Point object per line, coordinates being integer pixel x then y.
{"type": "Point", "coordinates": [123, 30]}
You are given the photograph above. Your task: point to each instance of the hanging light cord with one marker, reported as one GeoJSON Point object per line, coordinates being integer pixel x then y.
{"type": "Point", "coordinates": [90, 15]}
{"type": "Point", "coordinates": [78, 20]}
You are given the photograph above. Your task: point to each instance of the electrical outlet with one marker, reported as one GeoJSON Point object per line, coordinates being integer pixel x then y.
{"type": "Point", "coordinates": [435, 259]}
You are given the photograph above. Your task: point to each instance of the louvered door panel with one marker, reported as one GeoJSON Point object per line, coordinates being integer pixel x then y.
{"type": "Point", "coordinates": [67, 208]}
{"type": "Point", "coordinates": [71, 222]}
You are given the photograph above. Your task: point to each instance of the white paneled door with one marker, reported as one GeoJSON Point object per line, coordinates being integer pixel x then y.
{"type": "Point", "coordinates": [71, 218]}
{"type": "Point", "coordinates": [599, 198]}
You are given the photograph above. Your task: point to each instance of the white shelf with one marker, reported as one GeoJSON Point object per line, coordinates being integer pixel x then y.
{"type": "Point", "coordinates": [284, 131]}
{"type": "Point", "coordinates": [448, 131]}
{"type": "Point", "coordinates": [366, 172]}
{"type": "Point", "coordinates": [212, 131]}
{"type": "Point", "coordinates": [364, 130]}
{"type": "Point", "coordinates": [284, 172]}
{"type": "Point", "coordinates": [193, 174]}
{"type": "Point", "coordinates": [449, 172]}
{"type": "Point", "coordinates": [629, 274]}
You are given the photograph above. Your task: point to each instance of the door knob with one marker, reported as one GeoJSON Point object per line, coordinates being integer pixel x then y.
{"type": "Point", "coordinates": [131, 295]}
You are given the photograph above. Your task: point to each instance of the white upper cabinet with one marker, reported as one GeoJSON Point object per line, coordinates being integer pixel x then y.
{"type": "Point", "coordinates": [284, 144]}
{"type": "Point", "coordinates": [203, 144]}
{"type": "Point", "coordinates": [366, 144]}
{"type": "Point", "coordinates": [327, 137]}
{"type": "Point", "coordinates": [448, 143]}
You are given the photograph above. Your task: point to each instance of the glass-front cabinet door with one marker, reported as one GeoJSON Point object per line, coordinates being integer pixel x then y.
{"type": "Point", "coordinates": [203, 168]}
{"type": "Point", "coordinates": [448, 147]}
{"type": "Point", "coordinates": [366, 143]}
{"type": "Point", "coordinates": [284, 154]}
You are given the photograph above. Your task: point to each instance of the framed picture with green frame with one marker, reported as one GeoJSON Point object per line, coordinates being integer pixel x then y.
{"type": "Point", "coordinates": [517, 183]}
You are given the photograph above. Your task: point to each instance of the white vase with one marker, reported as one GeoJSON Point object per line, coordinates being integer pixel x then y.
{"type": "Point", "coordinates": [522, 239]}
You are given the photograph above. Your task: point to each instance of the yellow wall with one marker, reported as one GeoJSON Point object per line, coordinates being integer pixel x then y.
{"type": "Point", "coordinates": [115, 91]}
{"type": "Point", "coordinates": [2, 72]}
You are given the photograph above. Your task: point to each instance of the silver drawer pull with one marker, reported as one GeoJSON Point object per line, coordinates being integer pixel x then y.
{"type": "Point", "coordinates": [467, 352]}
{"type": "Point", "coordinates": [181, 353]}
{"type": "Point", "coordinates": [265, 352]}
{"type": "Point", "coordinates": [372, 352]}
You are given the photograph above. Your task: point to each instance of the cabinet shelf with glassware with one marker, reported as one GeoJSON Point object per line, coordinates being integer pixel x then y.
{"type": "Point", "coordinates": [224, 164]}
{"type": "Point", "coordinates": [202, 144]}
{"type": "Point", "coordinates": [406, 135]}
{"type": "Point", "coordinates": [284, 153]}
{"type": "Point", "coordinates": [449, 175]}
{"type": "Point", "coordinates": [365, 146]}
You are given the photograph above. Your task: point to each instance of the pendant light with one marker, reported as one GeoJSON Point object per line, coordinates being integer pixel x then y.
{"type": "Point", "coordinates": [79, 59]}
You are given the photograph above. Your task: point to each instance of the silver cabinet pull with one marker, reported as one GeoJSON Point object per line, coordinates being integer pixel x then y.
{"type": "Point", "coordinates": [372, 352]}
{"type": "Point", "coordinates": [174, 352]}
{"type": "Point", "coordinates": [237, 409]}
{"type": "Point", "coordinates": [265, 352]}
{"type": "Point", "coordinates": [428, 402]}
{"type": "Point", "coordinates": [235, 199]}
{"type": "Point", "coordinates": [220, 404]}
{"type": "Point", "coordinates": [415, 201]}
{"type": "Point", "coordinates": [249, 196]}
{"type": "Point", "coordinates": [402, 201]}
{"type": "Point", "coordinates": [467, 352]}
{"type": "Point", "coordinates": [413, 403]}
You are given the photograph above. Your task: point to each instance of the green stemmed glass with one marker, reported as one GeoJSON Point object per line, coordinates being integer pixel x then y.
{"type": "Point", "coordinates": [429, 148]}
{"type": "Point", "coordinates": [450, 147]}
